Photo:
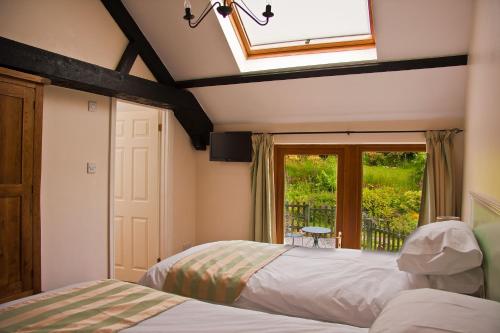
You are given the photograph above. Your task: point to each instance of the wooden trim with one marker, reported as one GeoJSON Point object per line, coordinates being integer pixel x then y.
{"type": "Point", "coordinates": [364, 68]}
{"type": "Point", "coordinates": [37, 176]}
{"type": "Point", "coordinates": [279, 161]}
{"type": "Point", "coordinates": [397, 147]}
{"type": "Point", "coordinates": [76, 74]}
{"type": "Point", "coordinates": [250, 53]}
{"type": "Point", "coordinates": [5, 72]}
{"type": "Point", "coordinates": [349, 183]}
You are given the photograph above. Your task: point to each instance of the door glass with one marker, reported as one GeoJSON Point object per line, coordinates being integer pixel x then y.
{"type": "Point", "coordinates": [310, 199]}
{"type": "Point", "coordinates": [392, 183]}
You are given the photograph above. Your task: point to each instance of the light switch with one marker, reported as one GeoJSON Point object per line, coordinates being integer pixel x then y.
{"type": "Point", "coordinates": [92, 106]}
{"type": "Point", "coordinates": [91, 168]}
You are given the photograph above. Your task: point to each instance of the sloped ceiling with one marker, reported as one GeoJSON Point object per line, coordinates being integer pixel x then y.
{"type": "Point", "coordinates": [405, 29]}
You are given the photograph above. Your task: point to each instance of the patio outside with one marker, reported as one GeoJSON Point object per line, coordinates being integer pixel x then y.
{"type": "Point", "coordinates": [390, 198]}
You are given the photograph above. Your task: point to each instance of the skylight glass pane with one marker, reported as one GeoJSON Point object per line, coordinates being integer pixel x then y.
{"type": "Point", "coordinates": [299, 20]}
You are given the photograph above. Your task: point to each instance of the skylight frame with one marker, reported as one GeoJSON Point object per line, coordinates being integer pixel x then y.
{"type": "Point", "coordinates": [334, 45]}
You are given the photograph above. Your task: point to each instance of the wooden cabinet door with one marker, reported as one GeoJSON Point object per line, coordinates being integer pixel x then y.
{"type": "Point", "coordinates": [17, 229]}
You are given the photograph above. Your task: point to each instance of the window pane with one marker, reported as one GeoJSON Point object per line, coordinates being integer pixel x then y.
{"type": "Point", "coordinates": [310, 198]}
{"type": "Point", "coordinates": [298, 20]}
{"type": "Point", "coordinates": [392, 183]}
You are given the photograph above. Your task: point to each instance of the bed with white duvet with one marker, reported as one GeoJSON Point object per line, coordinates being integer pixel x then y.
{"type": "Point", "coordinates": [414, 311]}
{"type": "Point", "coordinates": [341, 285]}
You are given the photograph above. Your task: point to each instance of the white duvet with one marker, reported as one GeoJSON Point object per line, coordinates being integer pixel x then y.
{"type": "Point", "coordinates": [339, 285]}
{"type": "Point", "coordinates": [195, 316]}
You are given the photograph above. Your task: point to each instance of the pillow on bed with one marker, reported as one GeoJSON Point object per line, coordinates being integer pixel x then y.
{"type": "Point", "coordinates": [430, 310]}
{"type": "Point", "coordinates": [442, 248]}
{"type": "Point", "coordinates": [469, 282]}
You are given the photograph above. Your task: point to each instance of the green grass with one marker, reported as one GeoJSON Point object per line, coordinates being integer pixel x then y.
{"type": "Point", "coordinates": [400, 178]}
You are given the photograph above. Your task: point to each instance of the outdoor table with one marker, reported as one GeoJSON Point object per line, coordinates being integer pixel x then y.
{"type": "Point", "coordinates": [316, 232]}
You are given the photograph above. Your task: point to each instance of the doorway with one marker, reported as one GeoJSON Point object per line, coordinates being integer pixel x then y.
{"type": "Point", "coordinates": [136, 199]}
{"type": "Point", "coordinates": [366, 196]}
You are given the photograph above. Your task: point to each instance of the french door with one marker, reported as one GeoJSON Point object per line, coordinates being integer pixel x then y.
{"type": "Point", "coordinates": [347, 189]}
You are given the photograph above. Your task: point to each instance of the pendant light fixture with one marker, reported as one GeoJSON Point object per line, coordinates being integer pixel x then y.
{"type": "Point", "coordinates": [225, 9]}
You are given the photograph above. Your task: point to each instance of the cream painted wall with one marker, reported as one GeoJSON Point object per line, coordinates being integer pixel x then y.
{"type": "Point", "coordinates": [482, 140]}
{"type": "Point", "coordinates": [224, 189]}
{"type": "Point", "coordinates": [181, 188]}
{"type": "Point", "coordinates": [140, 69]}
{"type": "Point", "coordinates": [81, 29]}
{"type": "Point", "coordinates": [74, 204]}
{"type": "Point", "coordinates": [223, 208]}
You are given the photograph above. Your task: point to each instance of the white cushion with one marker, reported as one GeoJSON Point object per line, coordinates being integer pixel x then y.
{"type": "Point", "coordinates": [442, 248]}
{"type": "Point", "coordinates": [468, 282]}
{"type": "Point", "coordinates": [430, 310]}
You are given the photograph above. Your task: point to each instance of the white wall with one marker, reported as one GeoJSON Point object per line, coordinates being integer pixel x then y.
{"type": "Point", "coordinates": [482, 139]}
{"type": "Point", "coordinates": [74, 204]}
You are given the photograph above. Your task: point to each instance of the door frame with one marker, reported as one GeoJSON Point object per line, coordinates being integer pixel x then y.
{"type": "Point", "coordinates": [279, 180]}
{"type": "Point", "coordinates": [349, 180]}
{"type": "Point", "coordinates": [163, 166]}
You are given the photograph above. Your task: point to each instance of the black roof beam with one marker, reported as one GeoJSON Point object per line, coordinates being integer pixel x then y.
{"type": "Point", "coordinates": [377, 67]}
{"type": "Point", "coordinates": [128, 58]}
{"type": "Point", "coordinates": [131, 30]}
{"type": "Point", "coordinates": [76, 74]}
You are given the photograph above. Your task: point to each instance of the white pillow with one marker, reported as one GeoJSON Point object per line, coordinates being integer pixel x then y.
{"type": "Point", "coordinates": [442, 248]}
{"type": "Point", "coordinates": [468, 282]}
{"type": "Point", "coordinates": [430, 310]}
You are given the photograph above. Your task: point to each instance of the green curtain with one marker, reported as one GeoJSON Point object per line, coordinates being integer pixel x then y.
{"type": "Point", "coordinates": [264, 215]}
{"type": "Point", "coordinates": [439, 195]}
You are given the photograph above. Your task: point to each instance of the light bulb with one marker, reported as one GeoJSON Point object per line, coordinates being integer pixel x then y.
{"type": "Point", "coordinates": [187, 4]}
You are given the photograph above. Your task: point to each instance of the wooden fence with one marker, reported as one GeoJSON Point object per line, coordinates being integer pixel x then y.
{"type": "Point", "coordinates": [299, 215]}
{"type": "Point", "coordinates": [374, 236]}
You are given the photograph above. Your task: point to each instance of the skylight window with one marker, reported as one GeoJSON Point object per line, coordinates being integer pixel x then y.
{"type": "Point", "coordinates": [301, 34]}
{"type": "Point", "coordinates": [297, 28]}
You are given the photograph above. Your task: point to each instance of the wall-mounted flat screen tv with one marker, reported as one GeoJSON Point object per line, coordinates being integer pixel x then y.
{"type": "Point", "coordinates": [231, 146]}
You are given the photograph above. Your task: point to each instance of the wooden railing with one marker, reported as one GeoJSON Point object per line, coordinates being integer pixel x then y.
{"type": "Point", "coordinates": [374, 235]}
{"type": "Point", "coordinates": [299, 215]}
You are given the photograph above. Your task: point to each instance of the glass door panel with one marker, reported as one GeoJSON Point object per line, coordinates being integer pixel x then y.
{"type": "Point", "coordinates": [391, 192]}
{"type": "Point", "coordinates": [310, 199]}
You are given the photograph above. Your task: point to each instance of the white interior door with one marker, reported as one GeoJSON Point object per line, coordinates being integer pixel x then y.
{"type": "Point", "coordinates": [136, 219]}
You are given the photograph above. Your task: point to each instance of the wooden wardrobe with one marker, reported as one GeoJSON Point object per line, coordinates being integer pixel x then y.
{"type": "Point", "coordinates": [20, 165]}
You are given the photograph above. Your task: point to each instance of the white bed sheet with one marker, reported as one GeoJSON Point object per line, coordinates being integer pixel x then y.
{"type": "Point", "coordinates": [197, 316]}
{"type": "Point", "coordinates": [341, 285]}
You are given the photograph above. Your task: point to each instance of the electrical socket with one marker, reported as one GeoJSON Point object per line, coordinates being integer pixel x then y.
{"type": "Point", "coordinates": [91, 168]}
{"type": "Point", "coordinates": [92, 106]}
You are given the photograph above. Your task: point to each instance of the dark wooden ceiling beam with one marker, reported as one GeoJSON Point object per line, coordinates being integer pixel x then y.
{"type": "Point", "coordinates": [128, 58]}
{"type": "Point", "coordinates": [134, 34]}
{"type": "Point", "coordinates": [378, 67]}
{"type": "Point", "coordinates": [76, 74]}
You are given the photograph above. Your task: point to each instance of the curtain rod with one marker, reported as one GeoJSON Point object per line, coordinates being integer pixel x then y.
{"type": "Point", "coordinates": [456, 130]}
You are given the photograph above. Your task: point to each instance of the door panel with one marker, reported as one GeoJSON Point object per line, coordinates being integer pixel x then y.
{"type": "Point", "coordinates": [11, 132]}
{"type": "Point", "coordinates": [17, 111]}
{"type": "Point", "coordinates": [136, 191]}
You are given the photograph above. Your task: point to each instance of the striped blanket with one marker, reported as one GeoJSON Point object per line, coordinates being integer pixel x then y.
{"type": "Point", "coordinates": [220, 272]}
{"type": "Point", "coordinates": [100, 306]}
